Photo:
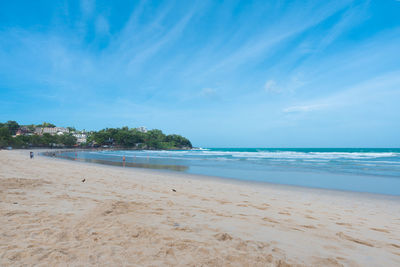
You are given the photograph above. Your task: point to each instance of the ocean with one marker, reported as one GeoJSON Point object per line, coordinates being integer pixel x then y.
{"type": "Point", "coordinates": [372, 170]}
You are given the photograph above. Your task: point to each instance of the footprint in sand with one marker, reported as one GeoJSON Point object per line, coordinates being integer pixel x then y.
{"type": "Point", "coordinates": [355, 240]}
{"type": "Point", "coordinates": [269, 220]}
{"type": "Point", "coordinates": [380, 230]}
{"type": "Point", "coordinates": [326, 262]}
{"type": "Point", "coordinates": [310, 217]}
{"type": "Point", "coordinates": [344, 224]}
{"type": "Point", "coordinates": [223, 237]}
{"type": "Point", "coordinates": [260, 208]}
{"type": "Point", "coordinates": [16, 212]}
{"type": "Point", "coordinates": [309, 226]}
{"type": "Point", "coordinates": [297, 229]}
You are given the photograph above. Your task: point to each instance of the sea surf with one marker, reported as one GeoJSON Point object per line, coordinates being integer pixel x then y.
{"type": "Point", "coordinates": [372, 170]}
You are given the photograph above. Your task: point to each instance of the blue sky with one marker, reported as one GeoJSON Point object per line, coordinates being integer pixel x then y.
{"type": "Point", "coordinates": [222, 73]}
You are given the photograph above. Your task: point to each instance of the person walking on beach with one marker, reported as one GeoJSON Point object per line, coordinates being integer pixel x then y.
{"type": "Point", "coordinates": [31, 154]}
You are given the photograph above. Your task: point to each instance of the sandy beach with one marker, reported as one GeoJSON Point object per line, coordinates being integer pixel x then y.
{"type": "Point", "coordinates": [136, 217]}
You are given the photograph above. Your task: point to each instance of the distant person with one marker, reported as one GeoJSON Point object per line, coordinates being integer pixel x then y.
{"type": "Point", "coordinates": [31, 154]}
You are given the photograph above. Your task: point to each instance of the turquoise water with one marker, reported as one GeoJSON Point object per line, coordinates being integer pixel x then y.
{"type": "Point", "coordinates": [374, 170]}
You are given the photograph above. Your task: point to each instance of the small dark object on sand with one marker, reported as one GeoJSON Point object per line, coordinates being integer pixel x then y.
{"type": "Point", "coordinates": [83, 180]}
{"type": "Point", "coordinates": [173, 190]}
{"type": "Point", "coordinates": [15, 203]}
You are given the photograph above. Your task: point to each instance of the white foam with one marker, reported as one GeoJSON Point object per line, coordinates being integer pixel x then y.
{"type": "Point", "coordinates": [281, 155]}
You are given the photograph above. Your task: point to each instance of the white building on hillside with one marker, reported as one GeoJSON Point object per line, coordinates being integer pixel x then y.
{"type": "Point", "coordinates": [142, 129]}
{"type": "Point", "coordinates": [80, 137]}
{"type": "Point", "coordinates": [52, 131]}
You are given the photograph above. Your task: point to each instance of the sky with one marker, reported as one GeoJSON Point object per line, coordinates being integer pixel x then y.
{"type": "Point", "coordinates": [221, 73]}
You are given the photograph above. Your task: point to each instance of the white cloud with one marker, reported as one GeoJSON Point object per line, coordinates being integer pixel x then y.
{"type": "Point", "coordinates": [208, 92]}
{"type": "Point", "coordinates": [290, 85]}
{"type": "Point", "coordinates": [271, 87]}
{"type": "Point", "coordinates": [171, 35]}
{"type": "Point", "coordinates": [291, 23]}
{"type": "Point", "coordinates": [304, 108]}
{"type": "Point", "coordinates": [379, 87]}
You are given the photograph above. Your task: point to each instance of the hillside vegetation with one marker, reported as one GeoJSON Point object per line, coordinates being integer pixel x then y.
{"type": "Point", "coordinates": [12, 136]}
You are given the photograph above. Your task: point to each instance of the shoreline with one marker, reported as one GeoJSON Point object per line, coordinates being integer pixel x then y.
{"type": "Point", "coordinates": [131, 216]}
{"type": "Point", "coordinates": [232, 180]}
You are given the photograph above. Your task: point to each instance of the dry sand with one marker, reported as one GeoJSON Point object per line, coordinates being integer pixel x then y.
{"type": "Point", "coordinates": [131, 217]}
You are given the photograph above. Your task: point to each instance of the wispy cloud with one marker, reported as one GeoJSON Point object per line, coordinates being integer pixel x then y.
{"type": "Point", "coordinates": [304, 108]}
{"type": "Point", "coordinates": [158, 44]}
{"type": "Point", "coordinates": [271, 87]}
{"type": "Point", "coordinates": [364, 93]}
{"type": "Point", "coordinates": [290, 24]}
{"type": "Point", "coordinates": [263, 64]}
{"type": "Point", "coordinates": [208, 92]}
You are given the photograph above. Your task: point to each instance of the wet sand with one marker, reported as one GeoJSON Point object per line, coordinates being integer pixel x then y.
{"type": "Point", "coordinates": [135, 217]}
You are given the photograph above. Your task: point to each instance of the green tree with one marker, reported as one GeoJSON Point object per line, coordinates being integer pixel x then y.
{"type": "Point", "coordinates": [31, 127]}
{"type": "Point", "coordinates": [71, 129]}
{"type": "Point", "coordinates": [12, 126]}
{"type": "Point", "coordinates": [46, 124]}
{"type": "Point", "coordinates": [101, 137]}
{"type": "Point", "coordinates": [124, 138]}
{"type": "Point", "coordinates": [178, 141]}
{"type": "Point", "coordinates": [5, 137]}
{"type": "Point", "coordinates": [139, 136]}
{"type": "Point", "coordinates": [36, 141]}
{"type": "Point", "coordinates": [66, 140]}
{"type": "Point", "coordinates": [20, 141]}
{"type": "Point", "coordinates": [48, 139]}
{"type": "Point", "coordinates": [154, 139]}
